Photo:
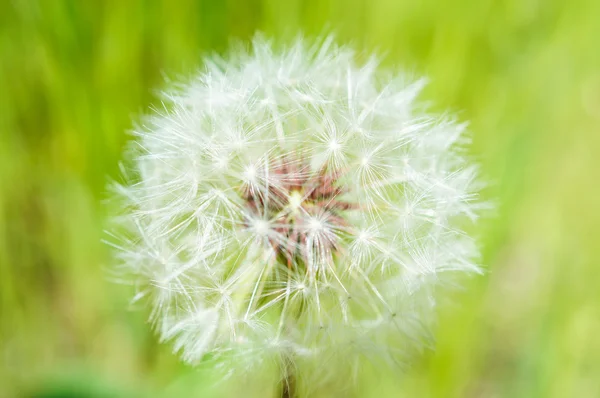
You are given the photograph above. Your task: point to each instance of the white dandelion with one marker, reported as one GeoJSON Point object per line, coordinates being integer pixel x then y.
{"type": "Point", "coordinates": [295, 205]}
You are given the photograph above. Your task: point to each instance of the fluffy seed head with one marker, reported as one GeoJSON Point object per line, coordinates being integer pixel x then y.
{"type": "Point", "coordinates": [295, 204]}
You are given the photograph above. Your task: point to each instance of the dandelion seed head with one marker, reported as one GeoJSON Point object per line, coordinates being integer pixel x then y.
{"type": "Point", "coordinates": [295, 202]}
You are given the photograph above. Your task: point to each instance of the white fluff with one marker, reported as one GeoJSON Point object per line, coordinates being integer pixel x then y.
{"type": "Point", "coordinates": [206, 262]}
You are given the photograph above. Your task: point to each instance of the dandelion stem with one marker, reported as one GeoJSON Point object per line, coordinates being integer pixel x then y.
{"type": "Point", "coordinates": [288, 388]}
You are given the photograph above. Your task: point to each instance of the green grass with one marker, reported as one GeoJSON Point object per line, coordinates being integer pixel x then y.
{"type": "Point", "coordinates": [525, 73]}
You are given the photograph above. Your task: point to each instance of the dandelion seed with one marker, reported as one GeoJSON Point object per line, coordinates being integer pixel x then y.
{"type": "Point", "coordinates": [291, 203]}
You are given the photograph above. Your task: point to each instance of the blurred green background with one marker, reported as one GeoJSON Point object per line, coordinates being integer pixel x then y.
{"type": "Point", "coordinates": [74, 75]}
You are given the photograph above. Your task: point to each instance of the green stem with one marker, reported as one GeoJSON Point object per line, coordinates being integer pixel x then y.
{"type": "Point", "coordinates": [288, 389]}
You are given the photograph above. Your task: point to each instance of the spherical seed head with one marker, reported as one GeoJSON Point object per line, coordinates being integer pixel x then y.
{"type": "Point", "coordinates": [297, 204]}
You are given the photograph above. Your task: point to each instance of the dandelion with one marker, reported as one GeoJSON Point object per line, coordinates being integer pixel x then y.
{"type": "Point", "coordinates": [298, 206]}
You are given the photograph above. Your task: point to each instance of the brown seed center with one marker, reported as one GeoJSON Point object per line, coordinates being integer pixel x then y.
{"type": "Point", "coordinates": [303, 210]}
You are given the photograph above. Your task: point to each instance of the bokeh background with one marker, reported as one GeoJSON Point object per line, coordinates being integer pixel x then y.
{"type": "Point", "coordinates": [75, 75]}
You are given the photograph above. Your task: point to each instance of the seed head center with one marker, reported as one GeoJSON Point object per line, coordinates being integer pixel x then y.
{"type": "Point", "coordinates": [299, 209]}
{"type": "Point", "coordinates": [295, 200]}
